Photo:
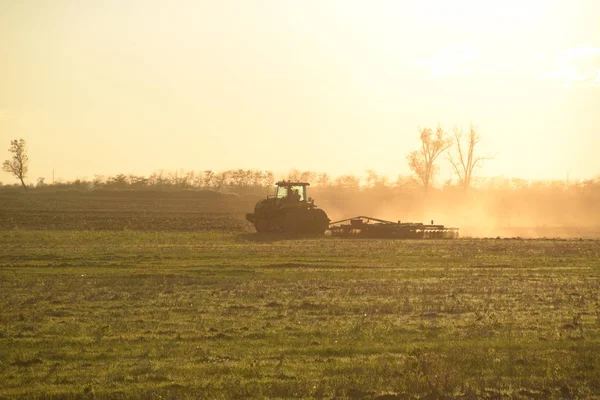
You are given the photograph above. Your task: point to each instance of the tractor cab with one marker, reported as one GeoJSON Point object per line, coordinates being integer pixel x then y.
{"type": "Point", "coordinates": [291, 193]}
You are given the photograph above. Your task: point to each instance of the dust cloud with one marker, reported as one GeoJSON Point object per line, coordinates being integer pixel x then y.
{"type": "Point", "coordinates": [548, 210]}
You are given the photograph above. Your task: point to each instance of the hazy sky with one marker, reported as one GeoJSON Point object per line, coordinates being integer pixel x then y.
{"type": "Point", "coordinates": [103, 87]}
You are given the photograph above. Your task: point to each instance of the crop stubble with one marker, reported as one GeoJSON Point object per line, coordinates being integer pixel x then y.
{"type": "Point", "coordinates": [229, 314]}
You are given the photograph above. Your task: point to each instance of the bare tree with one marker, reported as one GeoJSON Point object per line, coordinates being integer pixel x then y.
{"type": "Point", "coordinates": [374, 180]}
{"type": "Point", "coordinates": [465, 161]}
{"type": "Point", "coordinates": [19, 164]}
{"type": "Point", "coordinates": [323, 180]}
{"type": "Point", "coordinates": [295, 175]}
{"type": "Point", "coordinates": [347, 181]}
{"type": "Point", "coordinates": [422, 161]}
{"type": "Point", "coordinates": [372, 177]}
{"type": "Point", "coordinates": [220, 179]}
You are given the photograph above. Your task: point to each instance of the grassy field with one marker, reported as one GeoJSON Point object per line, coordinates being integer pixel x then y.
{"type": "Point", "coordinates": [227, 314]}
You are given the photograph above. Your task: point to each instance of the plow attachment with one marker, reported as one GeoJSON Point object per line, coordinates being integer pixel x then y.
{"type": "Point", "coordinates": [369, 227]}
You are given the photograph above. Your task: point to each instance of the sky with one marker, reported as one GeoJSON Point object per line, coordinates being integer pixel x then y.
{"type": "Point", "coordinates": [135, 86]}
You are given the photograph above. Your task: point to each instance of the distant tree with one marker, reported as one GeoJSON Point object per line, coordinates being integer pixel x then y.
{"type": "Point", "coordinates": [18, 165]}
{"type": "Point", "coordinates": [375, 181]}
{"type": "Point", "coordinates": [220, 179]}
{"type": "Point", "coordinates": [422, 161]}
{"type": "Point", "coordinates": [208, 178]}
{"type": "Point", "coordinates": [240, 180]}
{"type": "Point", "coordinates": [186, 179]}
{"type": "Point", "coordinates": [262, 179]}
{"type": "Point", "coordinates": [183, 179]}
{"type": "Point", "coordinates": [80, 184]}
{"type": "Point", "coordinates": [301, 176]}
{"type": "Point", "coordinates": [347, 181]}
{"type": "Point", "coordinates": [308, 176]}
{"type": "Point", "coordinates": [158, 179]}
{"type": "Point", "coordinates": [293, 175]}
{"type": "Point", "coordinates": [98, 181]}
{"type": "Point", "coordinates": [372, 177]}
{"type": "Point", "coordinates": [121, 181]}
{"type": "Point", "coordinates": [323, 180]}
{"type": "Point", "coordinates": [268, 179]}
{"type": "Point", "coordinates": [464, 160]}
{"type": "Point", "coordinates": [138, 181]}
{"type": "Point", "coordinates": [178, 179]}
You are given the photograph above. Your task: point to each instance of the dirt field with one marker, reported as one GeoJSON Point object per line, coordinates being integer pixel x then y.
{"type": "Point", "coordinates": [189, 211]}
{"type": "Point", "coordinates": [224, 313]}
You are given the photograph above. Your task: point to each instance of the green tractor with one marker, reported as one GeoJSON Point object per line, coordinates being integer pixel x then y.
{"type": "Point", "coordinates": [289, 211]}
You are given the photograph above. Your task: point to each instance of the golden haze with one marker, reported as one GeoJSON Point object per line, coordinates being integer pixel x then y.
{"type": "Point", "coordinates": [339, 86]}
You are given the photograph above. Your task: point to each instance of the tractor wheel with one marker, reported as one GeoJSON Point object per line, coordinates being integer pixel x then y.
{"type": "Point", "coordinates": [261, 225]}
{"type": "Point", "coordinates": [318, 222]}
{"type": "Point", "coordinates": [291, 222]}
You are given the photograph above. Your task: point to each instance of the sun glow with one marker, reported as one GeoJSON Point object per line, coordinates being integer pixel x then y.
{"type": "Point", "coordinates": [193, 85]}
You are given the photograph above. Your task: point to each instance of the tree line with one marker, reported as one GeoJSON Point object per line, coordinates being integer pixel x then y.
{"type": "Point", "coordinates": [245, 180]}
{"type": "Point", "coordinates": [461, 152]}
{"type": "Point", "coordinates": [422, 162]}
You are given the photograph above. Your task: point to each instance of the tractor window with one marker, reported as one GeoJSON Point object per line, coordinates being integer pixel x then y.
{"type": "Point", "coordinates": [300, 190]}
{"type": "Point", "coordinates": [282, 191]}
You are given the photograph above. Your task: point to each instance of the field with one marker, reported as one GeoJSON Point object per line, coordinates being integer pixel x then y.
{"type": "Point", "coordinates": [219, 312]}
{"type": "Point", "coordinates": [189, 211]}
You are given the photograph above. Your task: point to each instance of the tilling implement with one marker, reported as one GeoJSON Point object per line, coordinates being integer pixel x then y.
{"type": "Point", "coordinates": [369, 227]}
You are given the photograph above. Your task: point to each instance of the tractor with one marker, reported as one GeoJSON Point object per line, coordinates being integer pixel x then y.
{"type": "Point", "coordinates": [289, 211]}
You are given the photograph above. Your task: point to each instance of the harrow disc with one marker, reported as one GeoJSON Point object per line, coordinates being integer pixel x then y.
{"type": "Point", "coordinates": [369, 227]}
